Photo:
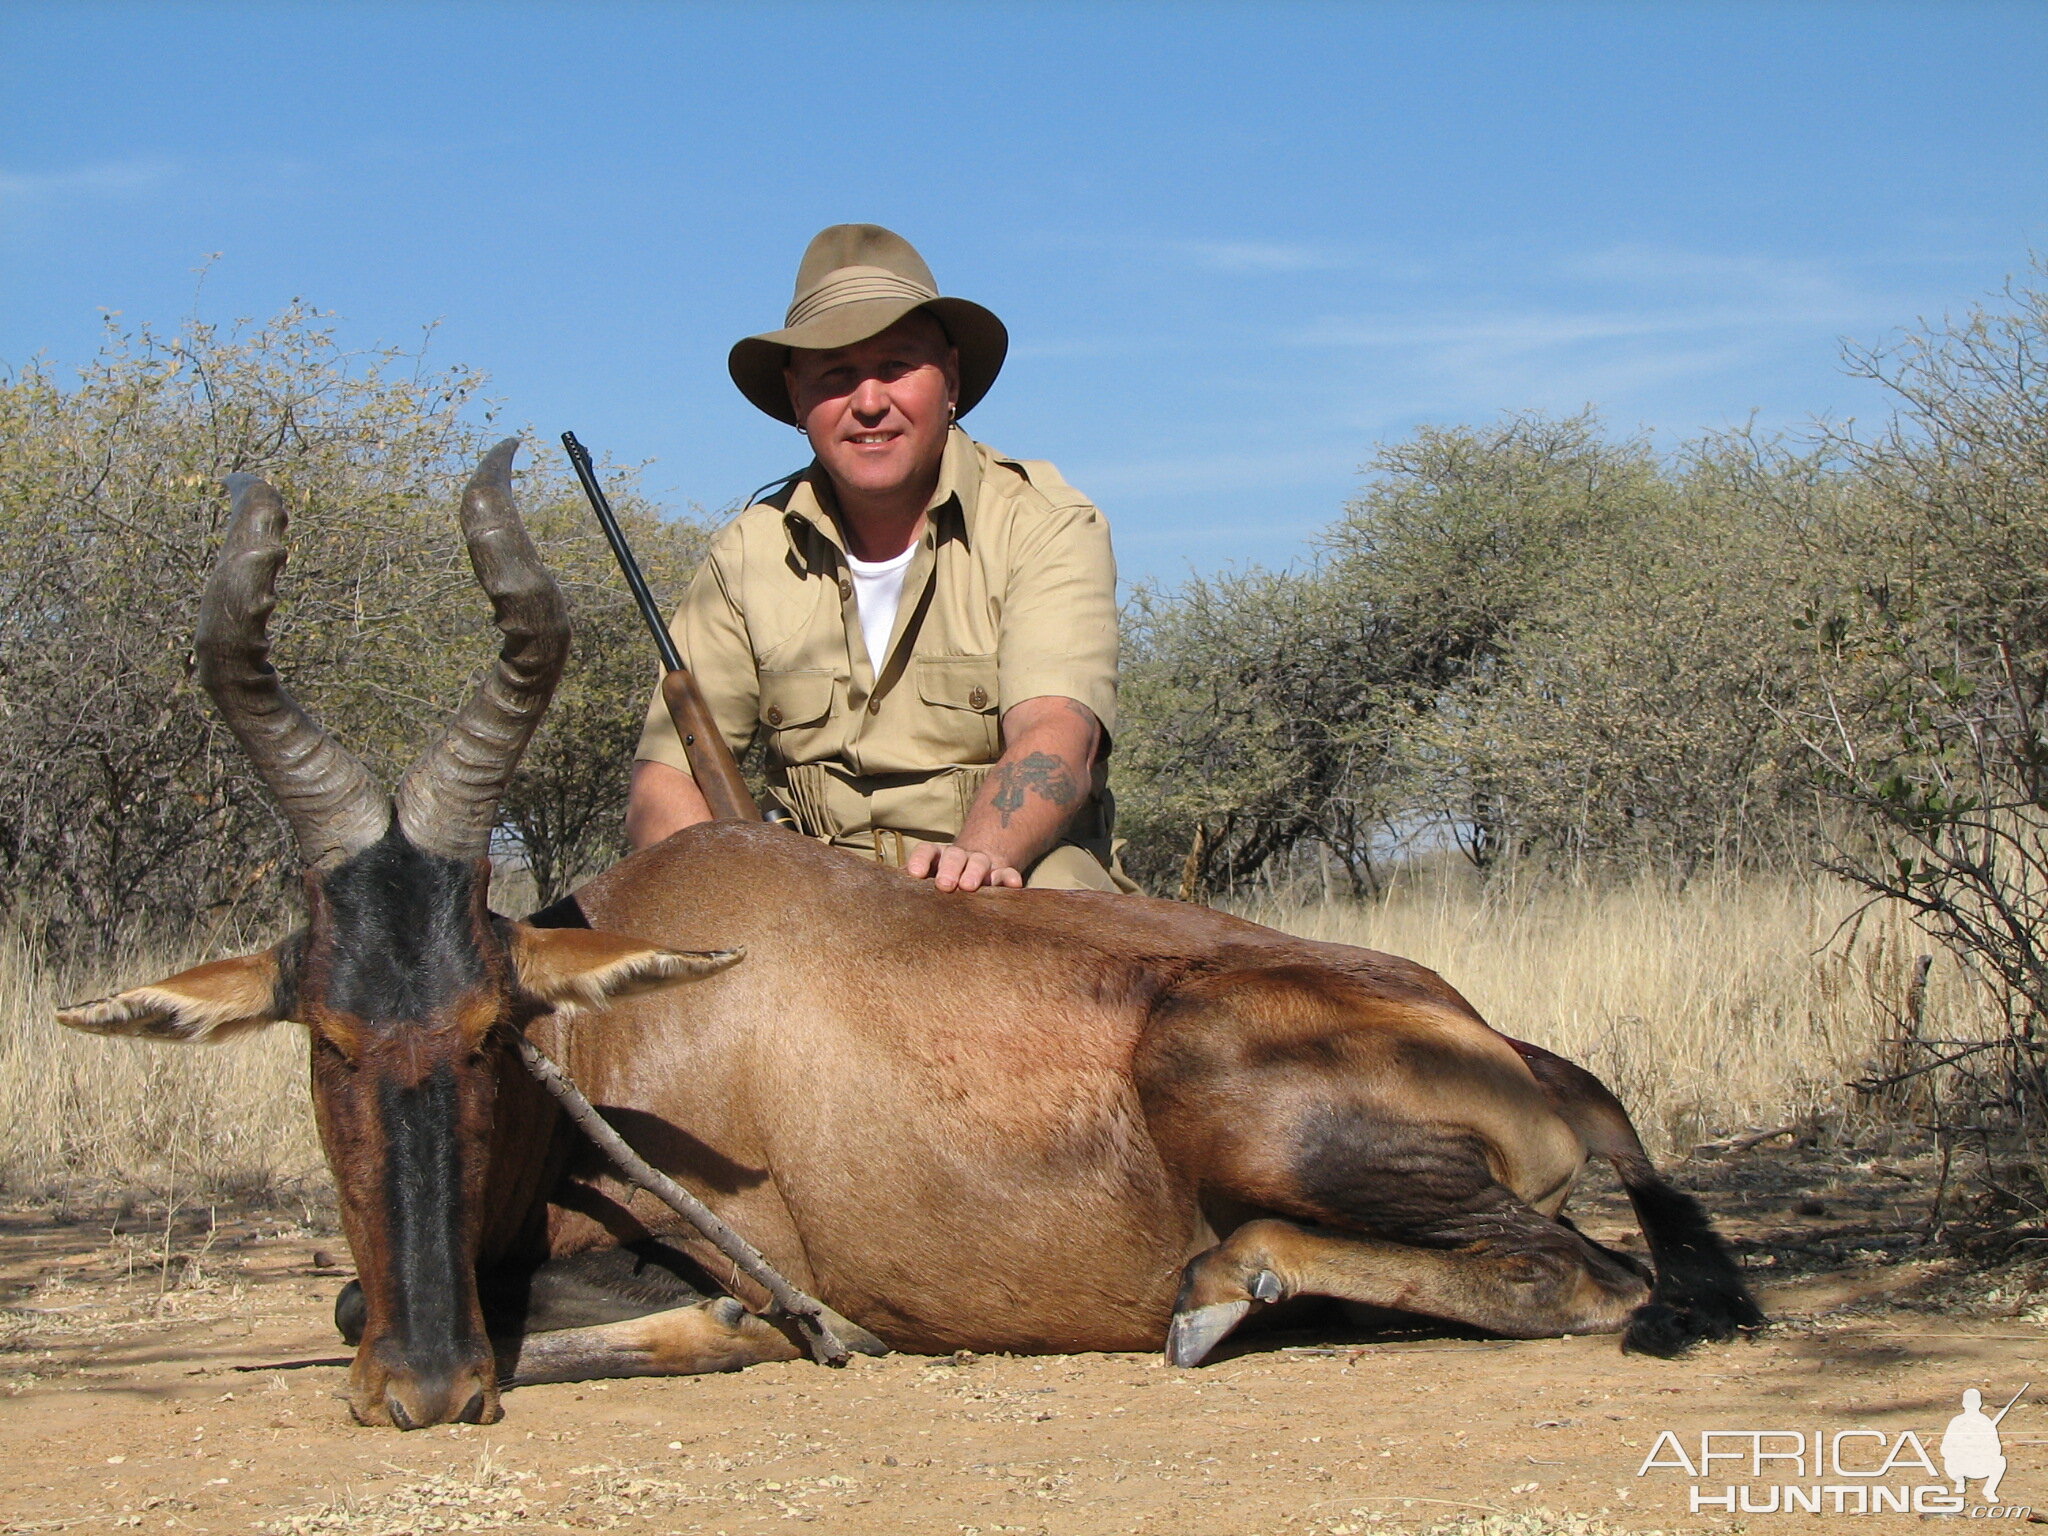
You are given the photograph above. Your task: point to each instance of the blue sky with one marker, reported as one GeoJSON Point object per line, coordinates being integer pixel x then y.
{"type": "Point", "coordinates": [1236, 245]}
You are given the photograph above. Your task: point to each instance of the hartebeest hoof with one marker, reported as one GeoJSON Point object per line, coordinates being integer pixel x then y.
{"type": "Point", "coordinates": [1194, 1333]}
{"type": "Point", "coordinates": [1199, 1327]}
{"type": "Point", "coordinates": [851, 1334]}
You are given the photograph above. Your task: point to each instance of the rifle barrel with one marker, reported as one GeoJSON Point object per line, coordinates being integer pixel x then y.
{"type": "Point", "coordinates": [579, 458]}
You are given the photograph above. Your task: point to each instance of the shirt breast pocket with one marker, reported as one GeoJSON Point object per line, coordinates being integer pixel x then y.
{"type": "Point", "coordinates": [794, 705]}
{"type": "Point", "coordinates": [960, 695]}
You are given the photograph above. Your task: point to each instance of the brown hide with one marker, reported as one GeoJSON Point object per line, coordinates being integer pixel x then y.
{"type": "Point", "coordinates": [988, 1121]}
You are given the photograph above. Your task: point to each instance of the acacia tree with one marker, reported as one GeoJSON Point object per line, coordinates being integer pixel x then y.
{"type": "Point", "coordinates": [1461, 540]}
{"type": "Point", "coordinates": [1255, 725]}
{"type": "Point", "coordinates": [1341, 708]}
{"type": "Point", "coordinates": [1934, 718]}
{"type": "Point", "coordinates": [121, 798]}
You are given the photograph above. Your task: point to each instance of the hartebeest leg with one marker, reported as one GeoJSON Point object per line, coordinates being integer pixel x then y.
{"type": "Point", "coordinates": [1515, 1272]}
{"type": "Point", "coordinates": [716, 1335]}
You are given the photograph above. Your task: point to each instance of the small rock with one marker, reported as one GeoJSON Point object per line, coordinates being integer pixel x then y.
{"type": "Point", "coordinates": [1811, 1208]}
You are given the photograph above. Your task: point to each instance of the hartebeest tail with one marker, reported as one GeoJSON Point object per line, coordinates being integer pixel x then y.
{"type": "Point", "coordinates": [1698, 1292]}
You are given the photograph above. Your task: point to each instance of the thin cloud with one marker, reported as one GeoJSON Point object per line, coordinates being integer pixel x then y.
{"type": "Point", "coordinates": [110, 178]}
{"type": "Point", "coordinates": [1657, 315]}
{"type": "Point", "coordinates": [1783, 282]}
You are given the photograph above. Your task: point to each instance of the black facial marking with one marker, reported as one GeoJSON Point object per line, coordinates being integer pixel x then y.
{"type": "Point", "coordinates": [423, 1190]}
{"type": "Point", "coordinates": [402, 941]}
{"type": "Point", "coordinates": [395, 947]}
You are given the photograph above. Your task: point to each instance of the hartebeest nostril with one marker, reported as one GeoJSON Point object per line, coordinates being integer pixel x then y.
{"type": "Point", "coordinates": [473, 1410]}
{"type": "Point", "coordinates": [397, 1411]}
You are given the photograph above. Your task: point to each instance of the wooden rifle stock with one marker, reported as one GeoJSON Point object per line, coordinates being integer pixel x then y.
{"type": "Point", "coordinates": [718, 775]}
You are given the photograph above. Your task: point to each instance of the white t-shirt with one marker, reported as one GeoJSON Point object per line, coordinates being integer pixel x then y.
{"type": "Point", "coordinates": [877, 594]}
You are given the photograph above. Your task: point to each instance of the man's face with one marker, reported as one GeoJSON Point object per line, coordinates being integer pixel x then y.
{"type": "Point", "coordinates": [877, 411]}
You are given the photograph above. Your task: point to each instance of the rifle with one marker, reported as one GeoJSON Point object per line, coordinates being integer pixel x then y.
{"type": "Point", "coordinates": [2008, 1407]}
{"type": "Point", "coordinates": [711, 761]}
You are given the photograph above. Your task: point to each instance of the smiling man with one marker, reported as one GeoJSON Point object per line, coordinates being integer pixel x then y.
{"type": "Point", "coordinates": [924, 629]}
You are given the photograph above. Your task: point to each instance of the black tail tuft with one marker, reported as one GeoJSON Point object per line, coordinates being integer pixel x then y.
{"type": "Point", "coordinates": [1698, 1293]}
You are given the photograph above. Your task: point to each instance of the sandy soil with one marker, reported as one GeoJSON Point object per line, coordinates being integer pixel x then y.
{"type": "Point", "coordinates": [202, 1396]}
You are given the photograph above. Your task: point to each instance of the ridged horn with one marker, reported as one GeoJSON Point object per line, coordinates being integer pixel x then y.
{"type": "Point", "coordinates": [448, 800]}
{"type": "Point", "coordinates": [333, 805]}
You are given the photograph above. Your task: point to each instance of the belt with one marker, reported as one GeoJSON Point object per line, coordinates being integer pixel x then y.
{"type": "Point", "coordinates": [807, 791]}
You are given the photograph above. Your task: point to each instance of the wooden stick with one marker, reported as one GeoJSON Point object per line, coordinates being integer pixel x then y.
{"type": "Point", "coordinates": [809, 1314]}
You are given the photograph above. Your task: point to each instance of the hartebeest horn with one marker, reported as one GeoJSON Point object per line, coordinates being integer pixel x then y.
{"type": "Point", "coordinates": [448, 800]}
{"type": "Point", "coordinates": [333, 805]}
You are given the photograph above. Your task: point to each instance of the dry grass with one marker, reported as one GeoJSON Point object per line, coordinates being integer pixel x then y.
{"type": "Point", "coordinates": [177, 1121]}
{"type": "Point", "coordinates": [1725, 1005]}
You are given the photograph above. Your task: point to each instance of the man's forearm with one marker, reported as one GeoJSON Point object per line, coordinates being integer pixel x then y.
{"type": "Point", "coordinates": [1028, 800]}
{"type": "Point", "coordinates": [1026, 803]}
{"type": "Point", "coordinates": [661, 801]}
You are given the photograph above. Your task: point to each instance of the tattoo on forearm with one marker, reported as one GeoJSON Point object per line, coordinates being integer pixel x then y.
{"type": "Point", "coordinates": [1041, 772]}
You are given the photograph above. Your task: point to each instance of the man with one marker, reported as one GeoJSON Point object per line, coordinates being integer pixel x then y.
{"type": "Point", "coordinates": [1970, 1448]}
{"type": "Point", "coordinates": [925, 629]}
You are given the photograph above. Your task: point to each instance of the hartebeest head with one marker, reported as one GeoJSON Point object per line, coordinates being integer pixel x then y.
{"type": "Point", "coordinates": [408, 984]}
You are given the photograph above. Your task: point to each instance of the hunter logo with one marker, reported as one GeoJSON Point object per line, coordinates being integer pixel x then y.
{"type": "Point", "coordinates": [1846, 1472]}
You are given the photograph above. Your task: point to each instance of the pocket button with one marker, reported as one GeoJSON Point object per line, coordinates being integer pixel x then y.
{"type": "Point", "coordinates": [977, 697]}
{"type": "Point", "coordinates": [774, 715]}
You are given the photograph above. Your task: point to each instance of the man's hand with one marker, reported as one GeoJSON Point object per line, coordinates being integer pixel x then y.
{"type": "Point", "coordinates": [953, 868]}
{"type": "Point", "coordinates": [1041, 780]}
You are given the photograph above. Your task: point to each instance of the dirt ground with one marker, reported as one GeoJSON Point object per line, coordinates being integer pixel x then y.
{"type": "Point", "coordinates": [202, 1395]}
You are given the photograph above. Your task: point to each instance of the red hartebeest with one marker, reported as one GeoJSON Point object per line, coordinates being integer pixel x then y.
{"type": "Point", "coordinates": [1017, 1121]}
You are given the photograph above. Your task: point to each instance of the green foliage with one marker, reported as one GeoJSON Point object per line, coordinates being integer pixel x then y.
{"type": "Point", "coordinates": [1549, 646]}
{"type": "Point", "coordinates": [120, 795]}
{"type": "Point", "coordinates": [1258, 721]}
{"type": "Point", "coordinates": [1932, 716]}
{"type": "Point", "coordinates": [1524, 638]}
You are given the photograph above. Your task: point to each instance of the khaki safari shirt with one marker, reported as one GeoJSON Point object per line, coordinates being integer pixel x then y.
{"type": "Point", "coordinates": [1010, 595]}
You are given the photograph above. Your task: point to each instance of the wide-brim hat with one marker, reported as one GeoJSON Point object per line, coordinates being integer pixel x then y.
{"type": "Point", "coordinates": [855, 281]}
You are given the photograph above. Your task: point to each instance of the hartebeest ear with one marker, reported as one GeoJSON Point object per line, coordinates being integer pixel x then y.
{"type": "Point", "coordinates": [577, 968]}
{"type": "Point", "coordinates": [208, 1002]}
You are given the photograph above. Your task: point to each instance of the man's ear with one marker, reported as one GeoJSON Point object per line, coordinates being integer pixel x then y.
{"type": "Point", "coordinates": [577, 968]}
{"type": "Point", "coordinates": [209, 1002]}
